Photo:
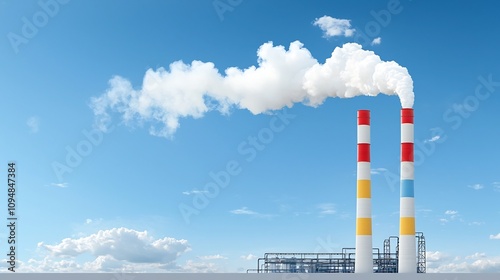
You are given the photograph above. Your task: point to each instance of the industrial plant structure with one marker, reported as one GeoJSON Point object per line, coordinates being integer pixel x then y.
{"type": "Point", "coordinates": [385, 261]}
{"type": "Point", "coordinates": [364, 258]}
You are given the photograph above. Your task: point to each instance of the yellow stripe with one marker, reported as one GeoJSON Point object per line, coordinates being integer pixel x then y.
{"type": "Point", "coordinates": [364, 226]}
{"type": "Point", "coordinates": [364, 189]}
{"type": "Point", "coordinates": [407, 226]}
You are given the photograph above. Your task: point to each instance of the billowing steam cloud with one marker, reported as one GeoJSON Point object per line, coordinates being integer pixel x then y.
{"type": "Point", "coordinates": [282, 78]}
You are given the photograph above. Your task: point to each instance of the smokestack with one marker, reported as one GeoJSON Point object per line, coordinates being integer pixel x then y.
{"type": "Point", "coordinates": [407, 246]}
{"type": "Point", "coordinates": [364, 256]}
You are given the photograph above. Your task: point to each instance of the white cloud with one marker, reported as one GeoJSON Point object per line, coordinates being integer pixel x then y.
{"type": "Point", "coordinates": [292, 76]}
{"type": "Point", "coordinates": [88, 221]}
{"type": "Point", "coordinates": [451, 215]}
{"type": "Point", "coordinates": [495, 236]}
{"type": "Point", "coordinates": [243, 211]}
{"type": "Point", "coordinates": [194, 192]}
{"type": "Point", "coordinates": [476, 256]}
{"type": "Point", "coordinates": [118, 250]}
{"type": "Point", "coordinates": [439, 262]}
{"type": "Point", "coordinates": [249, 257]}
{"type": "Point", "coordinates": [434, 256]}
{"type": "Point", "coordinates": [246, 211]}
{"type": "Point", "coordinates": [327, 209]}
{"type": "Point", "coordinates": [33, 124]}
{"type": "Point", "coordinates": [47, 264]}
{"type": "Point", "coordinates": [199, 267]}
{"type": "Point", "coordinates": [486, 265]}
{"type": "Point", "coordinates": [99, 264]}
{"type": "Point", "coordinates": [377, 171]}
{"type": "Point", "coordinates": [122, 244]}
{"type": "Point", "coordinates": [376, 41]}
{"type": "Point", "coordinates": [451, 212]}
{"type": "Point", "coordinates": [471, 265]}
{"type": "Point", "coordinates": [433, 139]}
{"type": "Point", "coordinates": [213, 257]}
{"type": "Point", "coordinates": [334, 27]}
{"type": "Point", "coordinates": [60, 185]}
{"type": "Point", "coordinates": [442, 220]}
{"type": "Point", "coordinates": [110, 265]}
{"type": "Point", "coordinates": [476, 187]}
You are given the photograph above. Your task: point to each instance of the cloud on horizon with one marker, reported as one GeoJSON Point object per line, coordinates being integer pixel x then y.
{"type": "Point", "coordinates": [121, 244]}
{"type": "Point", "coordinates": [119, 250]}
{"type": "Point", "coordinates": [249, 257]}
{"type": "Point", "coordinates": [438, 262]}
{"type": "Point", "coordinates": [213, 257]}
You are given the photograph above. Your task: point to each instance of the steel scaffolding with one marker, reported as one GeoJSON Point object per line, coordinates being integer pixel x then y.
{"type": "Point", "coordinates": [340, 262]}
{"type": "Point", "coordinates": [421, 261]}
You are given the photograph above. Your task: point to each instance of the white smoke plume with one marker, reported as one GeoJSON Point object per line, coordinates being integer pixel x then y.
{"type": "Point", "coordinates": [282, 78]}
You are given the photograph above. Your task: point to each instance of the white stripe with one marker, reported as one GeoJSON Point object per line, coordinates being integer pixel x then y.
{"type": "Point", "coordinates": [407, 133]}
{"type": "Point", "coordinates": [364, 256]}
{"type": "Point", "coordinates": [363, 171]}
{"type": "Point", "coordinates": [407, 207]}
{"type": "Point", "coordinates": [407, 170]}
{"type": "Point", "coordinates": [364, 208]}
{"type": "Point", "coordinates": [363, 133]}
{"type": "Point", "coordinates": [407, 254]}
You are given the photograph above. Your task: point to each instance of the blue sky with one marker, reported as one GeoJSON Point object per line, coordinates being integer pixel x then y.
{"type": "Point", "coordinates": [293, 193]}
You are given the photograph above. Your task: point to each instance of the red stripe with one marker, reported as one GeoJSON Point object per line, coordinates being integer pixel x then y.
{"type": "Point", "coordinates": [407, 152]}
{"type": "Point", "coordinates": [364, 117]}
{"type": "Point", "coordinates": [364, 152]}
{"type": "Point", "coordinates": [407, 115]}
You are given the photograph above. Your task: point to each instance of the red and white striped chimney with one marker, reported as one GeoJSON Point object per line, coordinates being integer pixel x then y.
{"type": "Point", "coordinates": [407, 243]}
{"type": "Point", "coordinates": [364, 256]}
